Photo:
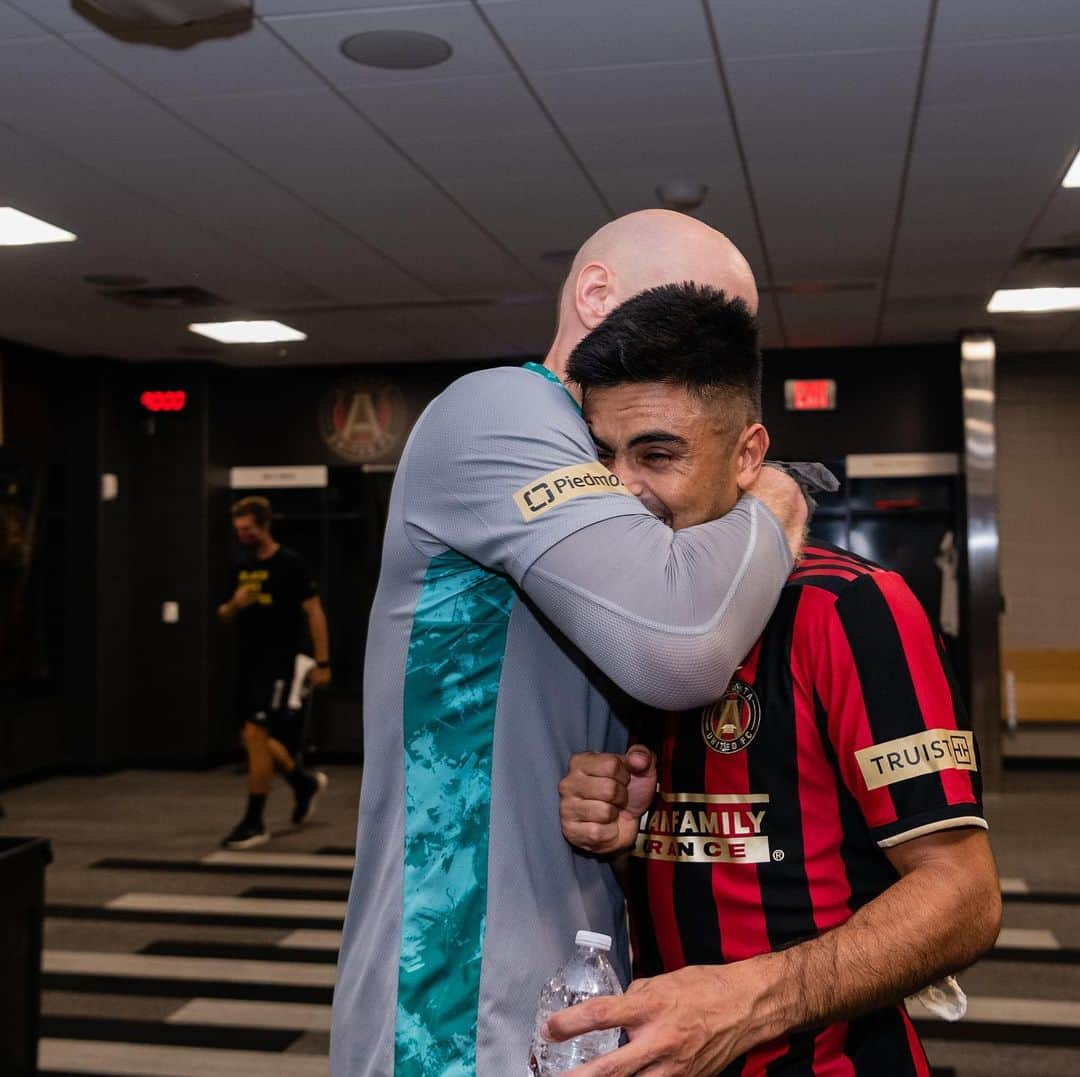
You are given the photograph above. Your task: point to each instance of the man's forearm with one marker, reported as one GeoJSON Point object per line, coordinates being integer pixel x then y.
{"type": "Point", "coordinates": [931, 922]}
{"type": "Point", "coordinates": [320, 634]}
{"type": "Point", "coordinates": [226, 612]}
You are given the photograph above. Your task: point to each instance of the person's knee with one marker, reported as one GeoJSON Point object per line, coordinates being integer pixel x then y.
{"type": "Point", "coordinates": [254, 737]}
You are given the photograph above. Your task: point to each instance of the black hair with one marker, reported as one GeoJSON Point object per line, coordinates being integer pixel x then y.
{"type": "Point", "coordinates": [681, 334]}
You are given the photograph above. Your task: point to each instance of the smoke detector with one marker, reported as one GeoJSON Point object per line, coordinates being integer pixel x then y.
{"type": "Point", "coordinates": [170, 12]}
{"type": "Point", "coordinates": [681, 194]}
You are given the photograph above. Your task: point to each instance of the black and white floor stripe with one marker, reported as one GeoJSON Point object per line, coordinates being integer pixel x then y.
{"type": "Point", "coordinates": [237, 1007]}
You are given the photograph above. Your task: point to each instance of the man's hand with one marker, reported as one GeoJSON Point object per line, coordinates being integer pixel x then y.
{"type": "Point", "coordinates": [604, 795]}
{"type": "Point", "coordinates": [242, 597]}
{"type": "Point", "coordinates": [689, 1023]}
{"type": "Point", "coordinates": [319, 677]}
{"type": "Point", "coordinates": [781, 495]}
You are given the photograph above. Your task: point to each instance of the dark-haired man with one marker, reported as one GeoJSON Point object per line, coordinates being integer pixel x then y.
{"type": "Point", "coordinates": [275, 605]}
{"type": "Point", "coordinates": [516, 574]}
{"type": "Point", "coordinates": [809, 848]}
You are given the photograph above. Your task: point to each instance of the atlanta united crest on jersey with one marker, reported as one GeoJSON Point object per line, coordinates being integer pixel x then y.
{"type": "Point", "coordinates": [841, 735]}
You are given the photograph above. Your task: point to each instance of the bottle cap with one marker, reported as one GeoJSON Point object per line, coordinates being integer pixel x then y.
{"type": "Point", "coordinates": [593, 939]}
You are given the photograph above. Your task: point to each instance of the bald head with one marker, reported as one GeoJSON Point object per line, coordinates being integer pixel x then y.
{"type": "Point", "coordinates": [640, 251]}
{"type": "Point", "coordinates": [657, 246]}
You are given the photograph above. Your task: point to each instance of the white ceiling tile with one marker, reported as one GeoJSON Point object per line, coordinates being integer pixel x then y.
{"type": "Point", "coordinates": [1004, 75]}
{"type": "Point", "coordinates": [553, 35]}
{"type": "Point", "coordinates": [460, 107]}
{"type": "Point", "coordinates": [1061, 222]}
{"type": "Point", "coordinates": [525, 188]}
{"type": "Point", "coordinates": [926, 318]}
{"type": "Point", "coordinates": [318, 39]}
{"type": "Point", "coordinates": [13, 24]}
{"type": "Point", "coordinates": [87, 112]}
{"type": "Point", "coordinates": [825, 138]}
{"type": "Point", "coordinates": [250, 62]}
{"type": "Point", "coordinates": [629, 97]}
{"type": "Point", "coordinates": [794, 26]}
{"type": "Point", "coordinates": [964, 221]}
{"type": "Point", "coordinates": [840, 319]}
{"type": "Point", "coordinates": [998, 130]}
{"type": "Point", "coordinates": [976, 20]}
{"type": "Point", "coordinates": [314, 7]}
{"type": "Point", "coordinates": [825, 106]}
{"type": "Point", "coordinates": [364, 184]}
{"type": "Point", "coordinates": [58, 15]}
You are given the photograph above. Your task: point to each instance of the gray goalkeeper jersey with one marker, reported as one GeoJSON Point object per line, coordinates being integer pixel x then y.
{"type": "Point", "coordinates": [518, 577]}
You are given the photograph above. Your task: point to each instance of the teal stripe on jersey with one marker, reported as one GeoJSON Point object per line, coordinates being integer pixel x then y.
{"type": "Point", "coordinates": [544, 372]}
{"type": "Point", "coordinates": [451, 689]}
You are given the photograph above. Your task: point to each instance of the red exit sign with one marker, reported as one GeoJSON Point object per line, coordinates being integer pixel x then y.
{"type": "Point", "coordinates": [816, 394]}
{"type": "Point", "coordinates": [163, 399]}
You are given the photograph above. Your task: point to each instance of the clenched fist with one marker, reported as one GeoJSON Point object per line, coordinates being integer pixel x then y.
{"type": "Point", "coordinates": [604, 795]}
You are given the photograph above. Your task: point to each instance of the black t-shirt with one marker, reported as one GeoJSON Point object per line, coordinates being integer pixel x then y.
{"type": "Point", "coordinates": [273, 628]}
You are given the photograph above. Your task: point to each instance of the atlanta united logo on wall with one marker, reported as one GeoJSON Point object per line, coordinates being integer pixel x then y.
{"type": "Point", "coordinates": [361, 422]}
{"type": "Point", "coordinates": [732, 722]}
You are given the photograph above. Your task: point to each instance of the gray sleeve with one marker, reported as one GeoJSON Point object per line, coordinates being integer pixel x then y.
{"type": "Point", "coordinates": [501, 468]}
{"type": "Point", "coordinates": [667, 615]}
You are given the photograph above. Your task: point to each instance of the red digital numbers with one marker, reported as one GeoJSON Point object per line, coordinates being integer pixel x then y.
{"type": "Point", "coordinates": [163, 399]}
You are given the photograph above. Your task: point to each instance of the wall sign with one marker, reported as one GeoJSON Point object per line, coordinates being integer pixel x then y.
{"type": "Point", "coordinates": [310, 477]}
{"type": "Point", "coordinates": [810, 394]}
{"type": "Point", "coordinates": [361, 421]}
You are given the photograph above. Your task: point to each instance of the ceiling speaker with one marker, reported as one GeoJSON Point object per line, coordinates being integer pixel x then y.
{"type": "Point", "coordinates": [170, 12]}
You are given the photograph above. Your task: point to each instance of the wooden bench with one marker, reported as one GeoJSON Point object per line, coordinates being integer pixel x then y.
{"type": "Point", "coordinates": [1047, 684]}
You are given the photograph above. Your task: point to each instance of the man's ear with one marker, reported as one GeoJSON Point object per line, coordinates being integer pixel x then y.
{"type": "Point", "coordinates": [594, 294]}
{"type": "Point", "coordinates": [752, 446]}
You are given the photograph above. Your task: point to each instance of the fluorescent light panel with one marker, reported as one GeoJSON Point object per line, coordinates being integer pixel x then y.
{"type": "Point", "coordinates": [21, 230]}
{"type": "Point", "coordinates": [1072, 177]}
{"type": "Point", "coordinates": [256, 332]}
{"type": "Point", "coordinates": [1033, 300]}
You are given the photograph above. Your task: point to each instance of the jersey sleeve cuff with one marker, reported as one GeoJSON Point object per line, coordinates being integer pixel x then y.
{"type": "Point", "coordinates": [918, 826]}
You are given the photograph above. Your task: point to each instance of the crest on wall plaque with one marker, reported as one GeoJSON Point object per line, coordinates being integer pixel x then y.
{"type": "Point", "coordinates": [361, 421]}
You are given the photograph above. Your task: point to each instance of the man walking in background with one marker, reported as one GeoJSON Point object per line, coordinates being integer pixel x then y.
{"type": "Point", "coordinates": [275, 605]}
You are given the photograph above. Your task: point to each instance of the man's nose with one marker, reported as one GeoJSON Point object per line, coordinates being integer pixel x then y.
{"type": "Point", "coordinates": [629, 477]}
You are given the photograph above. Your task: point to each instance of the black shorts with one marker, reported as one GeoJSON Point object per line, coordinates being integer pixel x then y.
{"type": "Point", "coordinates": [262, 697]}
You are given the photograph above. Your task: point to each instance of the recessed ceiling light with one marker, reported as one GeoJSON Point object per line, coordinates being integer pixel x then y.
{"type": "Point", "coordinates": [1072, 177]}
{"type": "Point", "coordinates": [1033, 300]}
{"type": "Point", "coordinates": [256, 332]}
{"type": "Point", "coordinates": [20, 230]}
{"type": "Point", "coordinates": [398, 50]}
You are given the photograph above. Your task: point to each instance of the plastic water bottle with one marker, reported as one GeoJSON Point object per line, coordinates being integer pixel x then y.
{"type": "Point", "coordinates": [588, 974]}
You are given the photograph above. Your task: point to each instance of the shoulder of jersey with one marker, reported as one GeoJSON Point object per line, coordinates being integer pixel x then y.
{"type": "Point", "coordinates": [830, 568]}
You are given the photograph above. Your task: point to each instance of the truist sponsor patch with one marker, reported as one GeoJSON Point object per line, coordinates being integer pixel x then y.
{"type": "Point", "coordinates": [921, 753]}
{"type": "Point", "coordinates": [557, 487]}
{"type": "Point", "coordinates": [702, 828]}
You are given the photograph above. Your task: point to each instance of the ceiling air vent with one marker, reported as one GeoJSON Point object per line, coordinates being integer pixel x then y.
{"type": "Point", "coordinates": [183, 297]}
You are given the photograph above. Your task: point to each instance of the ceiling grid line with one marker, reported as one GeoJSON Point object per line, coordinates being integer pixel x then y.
{"type": "Point", "coordinates": [542, 106]}
{"type": "Point", "coordinates": [407, 157]}
{"type": "Point", "coordinates": [744, 164]}
{"type": "Point", "coordinates": [272, 181]}
{"type": "Point", "coordinates": [905, 172]}
{"type": "Point", "coordinates": [163, 207]}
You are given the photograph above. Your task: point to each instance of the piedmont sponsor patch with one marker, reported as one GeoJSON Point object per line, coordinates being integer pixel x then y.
{"type": "Point", "coordinates": [557, 487]}
{"type": "Point", "coordinates": [921, 753]}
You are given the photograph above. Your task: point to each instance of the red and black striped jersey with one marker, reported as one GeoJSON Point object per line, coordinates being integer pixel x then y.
{"type": "Point", "coordinates": [842, 734]}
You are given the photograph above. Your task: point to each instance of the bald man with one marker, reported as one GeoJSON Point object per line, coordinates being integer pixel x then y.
{"type": "Point", "coordinates": [523, 590]}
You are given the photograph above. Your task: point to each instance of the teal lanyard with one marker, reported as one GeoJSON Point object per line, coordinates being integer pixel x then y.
{"type": "Point", "coordinates": [539, 368]}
